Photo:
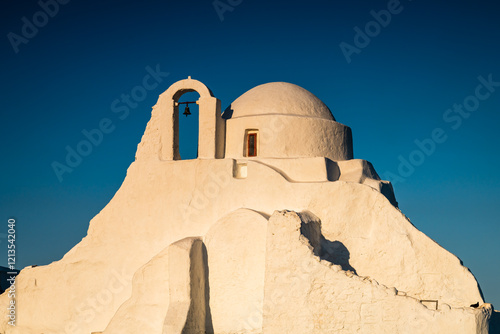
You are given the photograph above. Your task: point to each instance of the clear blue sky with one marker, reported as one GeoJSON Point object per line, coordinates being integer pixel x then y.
{"type": "Point", "coordinates": [396, 89]}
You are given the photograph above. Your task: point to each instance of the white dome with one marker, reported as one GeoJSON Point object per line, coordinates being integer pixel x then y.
{"type": "Point", "coordinates": [278, 98]}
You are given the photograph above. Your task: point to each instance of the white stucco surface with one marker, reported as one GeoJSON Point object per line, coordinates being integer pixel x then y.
{"type": "Point", "coordinates": [290, 136]}
{"type": "Point", "coordinates": [211, 244]}
{"type": "Point", "coordinates": [148, 306]}
{"type": "Point", "coordinates": [236, 248]}
{"type": "Point", "coordinates": [304, 293]}
{"type": "Point", "coordinates": [278, 98]}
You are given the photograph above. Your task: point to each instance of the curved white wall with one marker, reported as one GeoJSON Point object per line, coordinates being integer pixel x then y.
{"type": "Point", "coordinates": [284, 136]}
{"type": "Point", "coordinates": [236, 249]}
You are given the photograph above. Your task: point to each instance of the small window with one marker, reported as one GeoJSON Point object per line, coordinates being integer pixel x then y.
{"type": "Point", "coordinates": [251, 144]}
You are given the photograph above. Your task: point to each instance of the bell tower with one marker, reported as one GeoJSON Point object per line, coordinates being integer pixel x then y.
{"type": "Point", "coordinates": [212, 127]}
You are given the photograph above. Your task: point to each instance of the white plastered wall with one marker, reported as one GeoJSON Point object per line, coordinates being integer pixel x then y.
{"type": "Point", "coordinates": [305, 294]}
{"type": "Point", "coordinates": [236, 247]}
{"type": "Point", "coordinates": [286, 136]}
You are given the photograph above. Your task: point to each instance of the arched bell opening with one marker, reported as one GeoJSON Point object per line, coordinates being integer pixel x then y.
{"type": "Point", "coordinates": [187, 125]}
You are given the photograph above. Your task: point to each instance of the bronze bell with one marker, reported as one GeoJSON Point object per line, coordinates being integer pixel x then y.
{"type": "Point", "coordinates": [186, 111]}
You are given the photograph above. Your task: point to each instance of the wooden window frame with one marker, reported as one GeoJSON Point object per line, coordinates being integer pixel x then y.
{"type": "Point", "coordinates": [255, 135]}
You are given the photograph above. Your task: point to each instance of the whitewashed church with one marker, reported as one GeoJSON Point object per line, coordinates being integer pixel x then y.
{"type": "Point", "coordinates": [273, 229]}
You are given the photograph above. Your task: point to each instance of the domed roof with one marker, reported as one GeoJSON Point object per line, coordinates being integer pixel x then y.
{"type": "Point", "coordinates": [278, 98]}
